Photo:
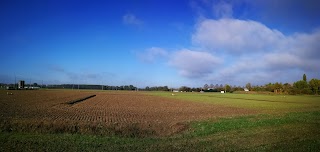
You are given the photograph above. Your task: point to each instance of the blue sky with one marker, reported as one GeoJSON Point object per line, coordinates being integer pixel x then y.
{"type": "Point", "coordinates": [153, 42]}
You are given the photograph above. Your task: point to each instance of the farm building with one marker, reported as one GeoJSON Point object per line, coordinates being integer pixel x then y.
{"type": "Point", "coordinates": [246, 89]}
{"type": "Point", "coordinates": [21, 84]}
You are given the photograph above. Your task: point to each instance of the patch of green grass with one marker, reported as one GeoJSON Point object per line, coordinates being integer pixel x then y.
{"type": "Point", "coordinates": [297, 131]}
{"type": "Point", "coordinates": [204, 128]}
{"type": "Point", "coordinates": [261, 102]}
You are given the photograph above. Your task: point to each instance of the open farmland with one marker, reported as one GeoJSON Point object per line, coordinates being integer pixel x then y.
{"type": "Point", "coordinates": [124, 113]}
{"type": "Point", "coordinates": [44, 120]}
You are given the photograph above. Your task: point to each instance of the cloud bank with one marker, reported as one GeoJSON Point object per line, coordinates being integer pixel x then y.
{"type": "Point", "coordinates": [240, 51]}
{"type": "Point", "coordinates": [194, 64]}
{"type": "Point", "coordinates": [253, 50]}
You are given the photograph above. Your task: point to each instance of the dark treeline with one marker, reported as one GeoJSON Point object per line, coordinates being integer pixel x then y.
{"type": "Point", "coordinates": [72, 86]}
{"type": "Point", "coordinates": [156, 88]}
{"type": "Point", "coordinates": [94, 87]}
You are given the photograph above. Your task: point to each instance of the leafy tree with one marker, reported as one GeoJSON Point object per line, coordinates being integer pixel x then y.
{"type": "Point", "coordinates": [304, 77]}
{"type": "Point", "coordinates": [184, 88]}
{"type": "Point", "coordinates": [165, 88]}
{"type": "Point", "coordinates": [286, 87]}
{"type": "Point", "coordinates": [314, 85]}
{"type": "Point", "coordinates": [301, 85]}
{"type": "Point", "coordinates": [278, 87]}
{"type": "Point", "coordinates": [270, 87]}
{"type": "Point", "coordinates": [147, 88]}
{"type": "Point", "coordinates": [248, 86]}
{"type": "Point", "coordinates": [228, 88]}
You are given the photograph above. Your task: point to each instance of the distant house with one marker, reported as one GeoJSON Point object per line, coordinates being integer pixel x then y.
{"type": "Point", "coordinates": [246, 89]}
{"type": "Point", "coordinates": [222, 91]}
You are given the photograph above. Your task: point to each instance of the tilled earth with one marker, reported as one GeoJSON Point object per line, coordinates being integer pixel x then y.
{"type": "Point", "coordinates": [120, 112]}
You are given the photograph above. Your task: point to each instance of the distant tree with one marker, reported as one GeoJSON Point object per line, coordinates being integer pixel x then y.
{"type": "Point", "coordinates": [165, 88]}
{"type": "Point", "coordinates": [258, 88]}
{"type": "Point", "coordinates": [147, 88]}
{"type": "Point", "coordinates": [185, 88]}
{"type": "Point", "coordinates": [314, 85]}
{"type": "Point", "coordinates": [304, 77]}
{"type": "Point", "coordinates": [269, 87]}
{"type": "Point", "coordinates": [277, 87]}
{"type": "Point", "coordinates": [286, 87]}
{"type": "Point", "coordinates": [301, 86]}
{"type": "Point", "coordinates": [248, 86]}
{"type": "Point", "coordinates": [216, 86]}
{"type": "Point", "coordinates": [131, 87]}
{"type": "Point", "coordinates": [211, 85]}
{"type": "Point", "coordinates": [205, 87]}
{"type": "Point", "coordinates": [228, 88]}
{"type": "Point", "coordinates": [35, 84]}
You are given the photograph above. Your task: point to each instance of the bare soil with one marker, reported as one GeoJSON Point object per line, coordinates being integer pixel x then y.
{"type": "Point", "coordinates": [109, 112]}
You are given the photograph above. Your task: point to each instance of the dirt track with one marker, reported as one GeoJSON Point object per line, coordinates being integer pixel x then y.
{"type": "Point", "coordinates": [162, 116]}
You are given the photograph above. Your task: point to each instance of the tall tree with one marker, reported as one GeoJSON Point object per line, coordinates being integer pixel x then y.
{"type": "Point", "coordinates": [228, 88]}
{"type": "Point", "coordinates": [304, 77]}
{"type": "Point", "coordinates": [248, 86]}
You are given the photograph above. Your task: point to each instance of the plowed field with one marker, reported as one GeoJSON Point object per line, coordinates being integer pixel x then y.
{"type": "Point", "coordinates": [113, 112]}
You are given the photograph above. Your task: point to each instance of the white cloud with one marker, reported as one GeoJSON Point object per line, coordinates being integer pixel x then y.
{"type": "Point", "coordinates": [193, 63]}
{"type": "Point", "coordinates": [131, 19]}
{"type": "Point", "coordinates": [236, 36]}
{"type": "Point", "coordinates": [252, 52]}
{"type": "Point", "coordinates": [245, 51]}
{"type": "Point", "coordinates": [256, 53]}
{"type": "Point", "coordinates": [152, 54]}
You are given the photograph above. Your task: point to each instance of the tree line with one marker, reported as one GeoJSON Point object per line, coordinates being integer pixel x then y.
{"type": "Point", "coordinates": [302, 86]}
{"type": "Point", "coordinates": [299, 87]}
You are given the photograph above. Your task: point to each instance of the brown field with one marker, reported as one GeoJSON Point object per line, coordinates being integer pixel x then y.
{"type": "Point", "coordinates": [109, 112]}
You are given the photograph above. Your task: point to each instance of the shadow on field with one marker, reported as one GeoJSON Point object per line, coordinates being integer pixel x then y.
{"type": "Point", "coordinates": [80, 100]}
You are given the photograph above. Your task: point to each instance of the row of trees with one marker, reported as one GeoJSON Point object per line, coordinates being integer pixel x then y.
{"type": "Point", "coordinates": [88, 86]}
{"type": "Point", "coordinates": [299, 87]}
{"type": "Point", "coordinates": [157, 88]}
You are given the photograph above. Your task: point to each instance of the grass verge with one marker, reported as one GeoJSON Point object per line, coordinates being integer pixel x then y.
{"type": "Point", "coordinates": [296, 131]}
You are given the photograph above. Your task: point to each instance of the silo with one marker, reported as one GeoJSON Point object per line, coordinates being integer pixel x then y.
{"type": "Point", "coordinates": [21, 84]}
